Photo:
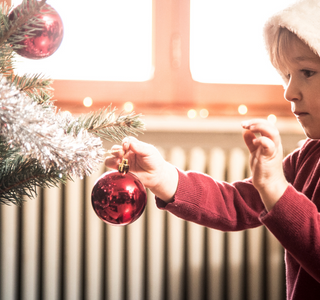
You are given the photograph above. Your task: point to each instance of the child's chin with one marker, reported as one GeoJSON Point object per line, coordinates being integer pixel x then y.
{"type": "Point", "coordinates": [312, 135]}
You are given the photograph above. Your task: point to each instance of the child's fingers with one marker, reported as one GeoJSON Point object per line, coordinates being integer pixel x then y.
{"type": "Point", "coordinates": [136, 146]}
{"type": "Point", "coordinates": [116, 151]}
{"type": "Point", "coordinates": [112, 162]}
{"type": "Point", "coordinates": [249, 137]}
{"type": "Point", "coordinates": [253, 143]}
{"type": "Point", "coordinates": [267, 139]}
{"type": "Point", "coordinates": [266, 144]}
{"type": "Point", "coordinates": [115, 156]}
{"type": "Point", "coordinates": [263, 127]}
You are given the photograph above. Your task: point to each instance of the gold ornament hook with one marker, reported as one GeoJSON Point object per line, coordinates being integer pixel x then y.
{"type": "Point", "coordinates": [123, 166]}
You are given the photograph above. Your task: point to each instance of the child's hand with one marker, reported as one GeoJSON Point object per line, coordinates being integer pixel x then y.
{"type": "Point", "coordinates": [266, 156]}
{"type": "Point", "coordinates": [147, 163]}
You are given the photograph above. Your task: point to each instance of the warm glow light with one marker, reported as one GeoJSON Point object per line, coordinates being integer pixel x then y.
{"type": "Point", "coordinates": [192, 114]}
{"type": "Point", "coordinates": [128, 106]}
{"type": "Point", "coordinates": [204, 113]}
{"type": "Point", "coordinates": [272, 119]}
{"type": "Point", "coordinates": [242, 109]}
{"type": "Point", "coordinates": [87, 101]}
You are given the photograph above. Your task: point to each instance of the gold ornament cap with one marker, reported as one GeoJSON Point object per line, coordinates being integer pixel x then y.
{"type": "Point", "coordinates": [123, 166]}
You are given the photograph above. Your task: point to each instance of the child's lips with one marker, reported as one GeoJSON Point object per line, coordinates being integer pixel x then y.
{"type": "Point", "coordinates": [300, 114]}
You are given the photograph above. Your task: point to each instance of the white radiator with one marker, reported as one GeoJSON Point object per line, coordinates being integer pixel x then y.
{"type": "Point", "coordinates": [55, 247]}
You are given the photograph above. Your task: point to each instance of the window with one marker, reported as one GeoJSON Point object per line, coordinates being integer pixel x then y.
{"type": "Point", "coordinates": [106, 40]}
{"type": "Point", "coordinates": [171, 81]}
{"type": "Point", "coordinates": [226, 41]}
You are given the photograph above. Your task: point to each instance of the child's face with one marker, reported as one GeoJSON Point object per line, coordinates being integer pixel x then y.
{"type": "Point", "coordinates": [303, 87]}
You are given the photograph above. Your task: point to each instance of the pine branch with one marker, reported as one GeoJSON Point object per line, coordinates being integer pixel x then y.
{"type": "Point", "coordinates": [38, 132]}
{"type": "Point", "coordinates": [35, 86]}
{"type": "Point", "coordinates": [104, 124]}
{"type": "Point", "coordinates": [4, 21]}
{"type": "Point", "coordinates": [6, 51]}
{"type": "Point", "coordinates": [6, 57]}
{"type": "Point", "coordinates": [20, 177]}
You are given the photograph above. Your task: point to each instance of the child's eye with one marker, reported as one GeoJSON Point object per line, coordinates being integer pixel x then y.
{"type": "Point", "coordinates": [307, 73]}
{"type": "Point", "coordinates": [286, 77]}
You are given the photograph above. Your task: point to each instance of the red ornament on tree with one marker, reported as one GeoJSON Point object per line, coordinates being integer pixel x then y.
{"type": "Point", "coordinates": [46, 41]}
{"type": "Point", "coordinates": [119, 197]}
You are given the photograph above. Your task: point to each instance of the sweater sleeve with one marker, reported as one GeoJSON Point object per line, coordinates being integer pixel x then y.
{"type": "Point", "coordinates": [215, 204]}
{"type": "Point", "coordinates": [295, 222]}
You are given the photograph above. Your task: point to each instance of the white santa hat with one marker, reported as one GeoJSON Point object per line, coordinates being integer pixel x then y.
{"type": "Point", "coordinates": [301, 18]}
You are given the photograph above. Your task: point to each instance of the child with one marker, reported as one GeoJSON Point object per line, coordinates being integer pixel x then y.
{"type": "Point", "coordinates": [283, 194]}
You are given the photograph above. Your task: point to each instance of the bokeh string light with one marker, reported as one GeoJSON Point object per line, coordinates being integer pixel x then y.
{"type": "Point", "coordinates": [87, 101]}
{"type": "Point", "coordinates": [128, 107]}
{"type": "Point", "coordinates": [242, 109]}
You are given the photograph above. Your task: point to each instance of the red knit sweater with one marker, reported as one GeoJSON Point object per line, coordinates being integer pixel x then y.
{"type": "Point", "coordinates": [294, 220]}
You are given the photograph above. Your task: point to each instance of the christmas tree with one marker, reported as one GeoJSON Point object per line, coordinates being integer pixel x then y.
{"type": "Point", "coordinates": [39, 145]}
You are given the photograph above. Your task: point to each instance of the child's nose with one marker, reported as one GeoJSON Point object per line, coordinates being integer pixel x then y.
{"type": "Point", "coordinates": [292, 91]}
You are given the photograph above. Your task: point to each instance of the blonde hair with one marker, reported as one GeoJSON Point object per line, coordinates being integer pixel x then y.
{"type": "Point", "coordinates": [280, 47]}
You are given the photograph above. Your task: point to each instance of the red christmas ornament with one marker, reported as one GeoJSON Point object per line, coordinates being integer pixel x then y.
{"type": "Point", "coordinates": [46, 41]}
{"type": "Point", "coordinates": [118, 197]}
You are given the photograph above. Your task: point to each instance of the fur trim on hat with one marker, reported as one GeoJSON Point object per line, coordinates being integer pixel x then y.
{"type": "Point", "coordinates": [302, 18]}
